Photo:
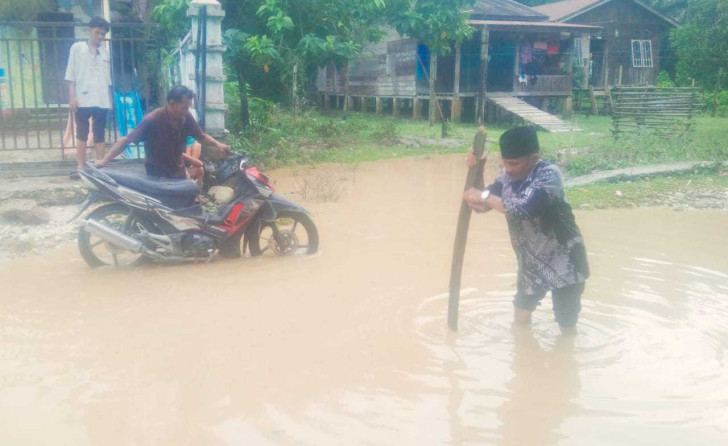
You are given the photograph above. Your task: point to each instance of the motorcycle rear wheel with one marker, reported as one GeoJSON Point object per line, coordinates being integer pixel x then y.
{"type": "Point", "coordinates": [97, 252]}
{"type": "Point", "coordinates": [298, 235]}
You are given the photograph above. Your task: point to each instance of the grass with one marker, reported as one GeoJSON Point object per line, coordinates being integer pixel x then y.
{"type": "Point", "coordinates": [624, 194]}
{"type": "Point", "coordinates": [594, 149]}
{"type": "Point", "coordinates": [277, 138]}
{"type": "Point", "coordinates": [282, 139]}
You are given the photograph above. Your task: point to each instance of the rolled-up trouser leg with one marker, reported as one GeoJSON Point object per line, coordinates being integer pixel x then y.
{"type": "Point", "coordinates": [567, 304]}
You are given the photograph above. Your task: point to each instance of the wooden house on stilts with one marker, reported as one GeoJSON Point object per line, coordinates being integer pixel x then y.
{"type": "Point", "coordinates": [523, 60]}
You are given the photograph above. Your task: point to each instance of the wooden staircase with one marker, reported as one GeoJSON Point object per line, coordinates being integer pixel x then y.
{"type": "Point", "coordinates": [531, 114]}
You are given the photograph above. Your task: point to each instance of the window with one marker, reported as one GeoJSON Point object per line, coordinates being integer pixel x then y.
{"type": "Point", "coordinates": [642, 53]}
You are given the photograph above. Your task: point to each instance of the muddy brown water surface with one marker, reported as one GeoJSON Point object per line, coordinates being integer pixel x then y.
{"type": "Point", "coordinates": [350, 346]}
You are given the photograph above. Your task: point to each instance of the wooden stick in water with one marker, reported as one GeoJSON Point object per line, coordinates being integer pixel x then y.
{"type": "Point", "coordinates": [474, 179]}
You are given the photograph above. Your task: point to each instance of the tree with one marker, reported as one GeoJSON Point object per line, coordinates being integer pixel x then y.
{"type": "Point", "coordinates": [288, 36]}
{"type": "Point", "coordinates": [438, 24]}
{"type": "Point", "coordinates": [349, 25]}
{"type": "Point", "coordinates": [702, 46]}
{"type": "Point", "coordinates": [27, 10]}
{"type": "Point", "coordinates": [171, 15]}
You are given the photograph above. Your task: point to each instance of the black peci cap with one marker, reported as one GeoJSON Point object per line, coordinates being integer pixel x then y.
{"type": "Point", "coordinates": [519, 142]}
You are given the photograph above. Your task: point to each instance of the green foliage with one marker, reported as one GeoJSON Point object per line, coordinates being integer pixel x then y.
{"type": "Point", "coordinates": [702, 44]}
{"type": "Point", "coordinates": [261, 50]}
{"type": "Point", "coordinates": [718, 102]}
{"type": "Point", "coordinates": [387, 131]}
{"type": "Point", "coordinates": [25, 10]}
{"type": "Point", "coordinates": [275, 137]}
{"type": "Point", "coordinates": [235, 40]}
{"type": "Point", "coordinates": [578, 76]}
{"type": "Point", "coordinates": [664, 79]}
{"type": "Point", "coordinates": [171, 15]}
{"type": "Point", "coordinates": [329, 129]}
{"type": "Point", "coordinates": [437, 23]}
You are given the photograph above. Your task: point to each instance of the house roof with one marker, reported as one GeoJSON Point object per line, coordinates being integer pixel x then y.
{"type": "Point", "coordinates": [504, 10]}
{"type": "Point", "coordinates": [544, 26]}
{"type": "Point", "coordinates": [569, 9]}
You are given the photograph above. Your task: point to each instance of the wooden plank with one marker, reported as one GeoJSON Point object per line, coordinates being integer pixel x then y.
{"type": "Point", "coordinates": [483, 74]}
{"type": "Point", "coordinates": [456, 85]}
{"type": "Point", "coordinates": [531, 114]}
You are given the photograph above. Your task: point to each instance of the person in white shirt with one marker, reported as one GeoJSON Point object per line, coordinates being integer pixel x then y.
{"type": "Point", "coordinates": [89, 77]}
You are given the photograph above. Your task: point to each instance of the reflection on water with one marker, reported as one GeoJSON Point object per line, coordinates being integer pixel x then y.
{"type": "Point", "coordinates": [351, 347]}
{"type": "Point", "coordinates": [553, 375]}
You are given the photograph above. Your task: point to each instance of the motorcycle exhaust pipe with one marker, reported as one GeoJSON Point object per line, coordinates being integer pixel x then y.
{"type": "Point", "coordinates": [113, 236]}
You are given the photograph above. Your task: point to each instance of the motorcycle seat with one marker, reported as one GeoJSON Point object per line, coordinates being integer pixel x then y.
{"type": "Point", "coordinates": [178, 192]}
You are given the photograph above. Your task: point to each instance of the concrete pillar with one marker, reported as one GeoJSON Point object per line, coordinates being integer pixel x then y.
{"type": "Point", "coordinates": [456, 108]}
{"type": "Point", "coordinates": [363, 104]}
{"type": "Point", "coordinates": [416, 109]}
{"type": "Point", "coordinates": [395, 107]}
{"type": "Point", "coordinates": [378, 105]}
{"type": "Point", "coordinates": [214, 95]}
{"type": "Point", "coordinates": [351, 103]}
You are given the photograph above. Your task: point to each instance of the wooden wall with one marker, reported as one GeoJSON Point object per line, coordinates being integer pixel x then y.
{"type": "Point", "coordinates": [385, 69]}
{"type": "Point", "coordinates": [628, 21]}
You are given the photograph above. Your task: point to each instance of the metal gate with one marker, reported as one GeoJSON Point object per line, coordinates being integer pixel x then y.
{"type": "Point", "coordinates": [34, 112]}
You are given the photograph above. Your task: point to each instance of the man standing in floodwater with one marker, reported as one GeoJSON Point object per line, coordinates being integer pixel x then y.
{"type": "Point", "coordinates": [548, 244]}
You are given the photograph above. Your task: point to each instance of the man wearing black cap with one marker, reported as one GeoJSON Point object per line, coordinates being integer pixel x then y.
{"type": "Point", "coordinates": [548, 244]}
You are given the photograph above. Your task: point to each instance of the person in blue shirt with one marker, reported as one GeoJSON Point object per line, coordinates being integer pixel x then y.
{"type": "Point", "coordinates": [547, 242]}
{"type": "Point", "coordinates": [193, 150]}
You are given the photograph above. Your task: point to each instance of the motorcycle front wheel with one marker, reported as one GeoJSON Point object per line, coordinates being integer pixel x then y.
{"type": "Point", "coordinates": [98, 252]}
{"type": "Point", "coordinates": [297, 235]}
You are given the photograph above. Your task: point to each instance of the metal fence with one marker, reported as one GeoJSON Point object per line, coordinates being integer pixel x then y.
{"type": "Point", "coordinates": [34, 112]}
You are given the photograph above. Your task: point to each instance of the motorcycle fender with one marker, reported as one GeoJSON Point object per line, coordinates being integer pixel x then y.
{"type": "Point", "coordinates": [275, 204]}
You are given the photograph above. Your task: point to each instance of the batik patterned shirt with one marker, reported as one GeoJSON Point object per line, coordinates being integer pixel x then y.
{"type": "Point", "coordinates": [548, 244]}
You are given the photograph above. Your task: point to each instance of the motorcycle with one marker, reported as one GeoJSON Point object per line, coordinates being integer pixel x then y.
{"type": "Point", "coordinates": [145, 218]}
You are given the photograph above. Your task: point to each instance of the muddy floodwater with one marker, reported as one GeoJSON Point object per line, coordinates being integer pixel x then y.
{"type": "Point", "coordinates": [350, 346]}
